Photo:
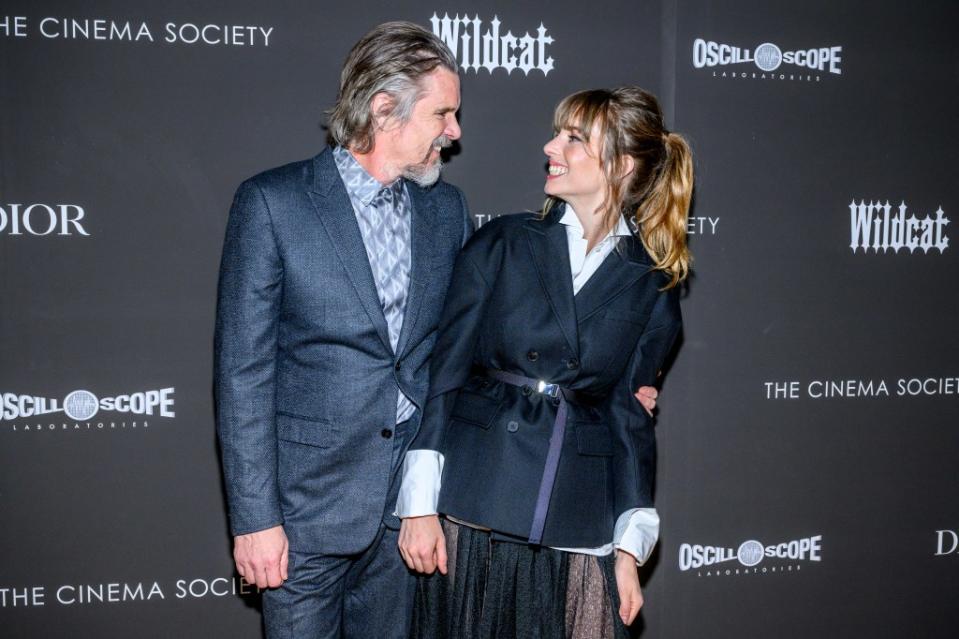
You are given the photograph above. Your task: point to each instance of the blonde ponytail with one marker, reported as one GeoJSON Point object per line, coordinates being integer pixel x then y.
{"type": "Point", "coordinates": [662, 217]}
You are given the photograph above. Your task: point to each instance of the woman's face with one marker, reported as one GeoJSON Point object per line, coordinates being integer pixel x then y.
{"type": "Point", "coordinates": [574, 169]}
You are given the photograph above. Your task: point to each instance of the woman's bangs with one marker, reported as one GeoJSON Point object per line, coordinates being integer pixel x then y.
{"type": "Point", "coordinates": [580, 111]}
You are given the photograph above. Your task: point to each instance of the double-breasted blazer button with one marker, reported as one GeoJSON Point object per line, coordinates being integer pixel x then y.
{"type": "Point", "coordinates": [386, 433]}
{"type": "Point", "coordinates": [532, 355]}
{"type": "Point", "coordinates": [512, 427]}
{"type": "Point", "coordinates": [572, 363]}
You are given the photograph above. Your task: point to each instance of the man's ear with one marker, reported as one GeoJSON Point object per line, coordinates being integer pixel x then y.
{"type": "Point", "coordinates": [381, 106]}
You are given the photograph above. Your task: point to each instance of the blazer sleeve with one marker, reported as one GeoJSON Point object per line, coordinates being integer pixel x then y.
{"type": "Point", "coordinates": [635, 440]}
{"type": "Point", "coordinates": [420, 477]}
{"type": "Point", "coordinates": [452, 360]}
{"type": "Point", "coordinates": [245, 347]}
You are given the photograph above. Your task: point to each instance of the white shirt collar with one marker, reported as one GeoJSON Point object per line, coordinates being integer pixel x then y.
{"type": "Point", "coordinates": [570, 219]}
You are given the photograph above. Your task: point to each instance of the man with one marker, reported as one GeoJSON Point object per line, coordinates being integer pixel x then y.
{"type": "Point", "coordinates": [333, 276]}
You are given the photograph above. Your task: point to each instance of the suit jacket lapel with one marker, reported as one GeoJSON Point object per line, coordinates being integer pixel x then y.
{"type": "Point", "coordinates": [622, 268]}
{"type": "Point", "coordinates": [333, 207]}
{"type": "Point", "coordinates": [423, 219]}
{"type": "Point", "coordinates": [547, 243]}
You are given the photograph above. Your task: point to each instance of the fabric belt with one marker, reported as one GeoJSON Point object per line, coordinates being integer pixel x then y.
{"type": "Point", "coordinates": [564, 396]}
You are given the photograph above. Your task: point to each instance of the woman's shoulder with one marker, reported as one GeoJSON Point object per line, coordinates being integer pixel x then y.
{"type": "Point", "coordinates": [500, 229]}
{"type": "Point", "coordinates": [508, 221]}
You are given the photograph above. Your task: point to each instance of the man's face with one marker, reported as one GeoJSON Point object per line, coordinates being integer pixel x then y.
{"type": "Point", "coordinates": [415, 145]}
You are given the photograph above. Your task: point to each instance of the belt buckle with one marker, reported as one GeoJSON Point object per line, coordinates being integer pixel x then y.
{"type": "Point", "coordinates": [547, 389]}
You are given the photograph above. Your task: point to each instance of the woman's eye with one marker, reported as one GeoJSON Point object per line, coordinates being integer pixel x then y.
{"type": "Point", "coordinates": [573, 138]}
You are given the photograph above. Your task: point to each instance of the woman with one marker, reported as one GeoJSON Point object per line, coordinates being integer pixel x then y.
{"type": "Point", "coordinates": [532, 444]}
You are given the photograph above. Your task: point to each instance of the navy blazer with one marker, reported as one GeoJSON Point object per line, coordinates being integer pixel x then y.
{"type": "Point", "coordinates": [511, 307]}
{"type": "Point", "coordinates": [306, 381]}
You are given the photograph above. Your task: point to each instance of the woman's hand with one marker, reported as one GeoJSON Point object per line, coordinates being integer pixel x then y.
{"type": "Point", "coordinates": [422, 544]}
{"type": "Point", "coordinates": [647, 397]}
{"type": "Point", "coordinates": [627, 583]}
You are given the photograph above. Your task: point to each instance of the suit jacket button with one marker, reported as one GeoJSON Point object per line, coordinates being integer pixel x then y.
{"type": "Point", "coordinates": [398, 365]}
{"type": "Point", "coordinates": [532, 356]}
{"type": "Point", "coordinates": [555, 401]}
{"type": "Point", "coordinates": [572, 363]}
{"type": "Point", "coordinates": [512, 427]}
{"type": "Point", "coordinates": [527, 390]}
{"type": "Point", "coordinates": [386, 433]}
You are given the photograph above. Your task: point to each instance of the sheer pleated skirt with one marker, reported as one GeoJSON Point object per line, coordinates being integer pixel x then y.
{"type": "Point", "coordinates": [504, 590]}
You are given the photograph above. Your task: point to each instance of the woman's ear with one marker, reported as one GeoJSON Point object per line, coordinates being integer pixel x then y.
{"type": "Point", "coordinates": [628, 165]}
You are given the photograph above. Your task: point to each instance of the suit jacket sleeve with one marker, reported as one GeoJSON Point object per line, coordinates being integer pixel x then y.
{"type": "Point", "coordinates": [468, 226]}
{"type": "Point", "coordinates": [632, 428]}
{"type": "Point", "coordinates": [245, 346]}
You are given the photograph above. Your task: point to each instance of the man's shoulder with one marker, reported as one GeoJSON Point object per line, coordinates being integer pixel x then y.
{"type": "Point", "coordinates": [294, 175]}
{"type": "Point", "coordinates": [443, 194]}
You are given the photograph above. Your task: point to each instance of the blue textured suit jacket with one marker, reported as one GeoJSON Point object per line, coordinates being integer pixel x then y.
{"type": "Point", "coordinates": [306, 382]}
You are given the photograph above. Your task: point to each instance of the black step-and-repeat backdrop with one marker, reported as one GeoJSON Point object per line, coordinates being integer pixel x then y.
{"type": "Point", "coordinates": [809, 424]}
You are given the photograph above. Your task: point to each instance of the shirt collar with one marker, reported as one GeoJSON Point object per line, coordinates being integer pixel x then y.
{"type": "Point", "coordinates": [359, 184]}
{"type": "Point", "coordinates": [569, 219]}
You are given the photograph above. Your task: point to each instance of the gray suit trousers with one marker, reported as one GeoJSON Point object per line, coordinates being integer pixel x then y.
{"type": "Point", "coordinates": [352, 597]}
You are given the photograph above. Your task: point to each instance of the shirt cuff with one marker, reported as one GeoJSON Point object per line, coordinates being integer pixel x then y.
{"type": "Point", "coordinates": [636, 532]}
{"type": "Point", "coordinates": [420, 484]}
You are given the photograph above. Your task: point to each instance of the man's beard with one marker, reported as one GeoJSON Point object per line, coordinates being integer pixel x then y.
{"type": "Point", "coordinates": [427, 173]}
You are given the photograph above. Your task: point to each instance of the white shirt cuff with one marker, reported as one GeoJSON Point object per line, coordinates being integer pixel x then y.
{"type": "Point", "coordinates": [420, 483]}
{"type": "Point", "coordinates": [636, 532]}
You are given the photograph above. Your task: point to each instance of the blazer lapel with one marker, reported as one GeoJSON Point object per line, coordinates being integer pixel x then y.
{"type": "Point", "coordinates": [422, 258]}
{"type": "Point", "coordinates": [547, 243]}
{"type": "Point", "coordinates": [622, 268]}
{"type": "Point", "coordinates": [333, 207]}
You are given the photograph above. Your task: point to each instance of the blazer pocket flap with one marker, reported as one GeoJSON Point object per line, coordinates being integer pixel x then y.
{"type": "Point", "coordinates": [300, 430]}
{"type": "Point", "coordinates": [593, 439]}
{"type": "Point", "coordinates": [475, 409]}
{"type": "Point", "coordinates": [626, 315]}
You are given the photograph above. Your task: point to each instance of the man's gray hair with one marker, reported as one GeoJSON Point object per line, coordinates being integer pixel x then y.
{"type": "Point", "coordinates": [390, 59]}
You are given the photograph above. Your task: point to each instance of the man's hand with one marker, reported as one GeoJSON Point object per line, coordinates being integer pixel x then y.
{"type": "Point", "coordinates": [422, 544]}
{"type": "Point", "coordinates": [262, 557]}
{"type": "Point", "coordinates": [627, 583]}
{"type": "Point", "coordinates": [647, 397]}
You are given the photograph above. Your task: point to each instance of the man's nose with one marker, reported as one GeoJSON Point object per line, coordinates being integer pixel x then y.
{"type": "Point", "coordinates": [452, 130]}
